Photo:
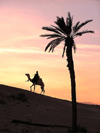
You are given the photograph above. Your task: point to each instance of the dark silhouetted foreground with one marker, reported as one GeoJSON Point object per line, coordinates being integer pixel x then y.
{"type": "Point", "coordinates": [30, 108]}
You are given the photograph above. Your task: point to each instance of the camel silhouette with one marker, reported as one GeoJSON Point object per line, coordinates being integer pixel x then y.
{"type": "Point", "coordinates": [39, 82]}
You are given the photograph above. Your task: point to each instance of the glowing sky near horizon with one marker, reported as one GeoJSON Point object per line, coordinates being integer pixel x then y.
{"type": "Point", "coordinates": [22, 48]}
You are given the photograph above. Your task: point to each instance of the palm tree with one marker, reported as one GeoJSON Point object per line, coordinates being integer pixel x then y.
{"type": "Point", "coordinates": [64, 31]}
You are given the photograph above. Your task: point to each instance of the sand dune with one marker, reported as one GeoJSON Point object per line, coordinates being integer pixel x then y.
{"type": "Point", "coordinates": [22, 111]}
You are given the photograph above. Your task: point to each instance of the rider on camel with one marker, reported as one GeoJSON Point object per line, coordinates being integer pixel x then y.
{"type": "Point", "coordinates": [36, 77]}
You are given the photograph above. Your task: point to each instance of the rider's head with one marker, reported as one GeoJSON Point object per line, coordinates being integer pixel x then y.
{"type": "Point", "coordinates": [36, 72]}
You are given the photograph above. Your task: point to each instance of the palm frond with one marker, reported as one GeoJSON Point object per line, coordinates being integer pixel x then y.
{"type": "Point", "coordinates": [59, 30]}
{"type": "Point", "coordinates": [52, 43]}
{"type": "Point", "coordinates": [83, 32]}
{"type": "Point", "coordinates": [65, 27]}
{"type": "Point", "coordinates": [61, 24]}
{"type": "Point", "coordinates": [75, 27]}
{"type": "Point", "coordinates": [51, 29]}
{"type": "Point", "coordinates": [69, 20]}
{"type": "Point", "coordinates": [74, 47]}
{"type": "Point", "coordinates": [51, 35]}
{"type": "Point", "coordinates": [63, 51]}
{"type": "Point", "coordinates": [82, 24]}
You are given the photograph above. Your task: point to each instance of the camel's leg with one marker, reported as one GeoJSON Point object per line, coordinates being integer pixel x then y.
{"type": "Point", "coordinates": [42, 90]}
{"type": "Point", "coordinates": [34, 87]}
{"type": "Point", "coordinates": [31, 88]}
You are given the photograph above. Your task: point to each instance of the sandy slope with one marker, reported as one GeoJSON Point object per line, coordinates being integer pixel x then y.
{"type": "Point", "coordinates": [41, 109]}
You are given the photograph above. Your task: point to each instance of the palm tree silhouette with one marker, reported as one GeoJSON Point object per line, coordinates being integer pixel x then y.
{"type": "Point", "coordinates": [64, 31]}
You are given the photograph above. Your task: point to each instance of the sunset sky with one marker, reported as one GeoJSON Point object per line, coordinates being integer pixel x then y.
{"type": "Point", "coordinates": [22, 48]}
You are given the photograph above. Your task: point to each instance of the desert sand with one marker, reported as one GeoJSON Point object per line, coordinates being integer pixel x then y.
{"type": "Point", "coordinates": [22, 111]}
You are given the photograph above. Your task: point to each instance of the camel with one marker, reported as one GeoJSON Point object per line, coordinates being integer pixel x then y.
{"type": "Point", "coordinates": [39, 82]}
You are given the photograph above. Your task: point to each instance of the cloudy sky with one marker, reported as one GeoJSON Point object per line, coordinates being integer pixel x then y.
{"type": "Point", "coordinates": [22, 48]}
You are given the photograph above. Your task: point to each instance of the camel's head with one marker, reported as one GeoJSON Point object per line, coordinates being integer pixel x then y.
{"type": "Point", "coordinates": [27, 74]}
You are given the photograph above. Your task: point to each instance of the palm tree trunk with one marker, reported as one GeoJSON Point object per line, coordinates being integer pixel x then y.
{"type": "Point", "coordinates": [73, 87]}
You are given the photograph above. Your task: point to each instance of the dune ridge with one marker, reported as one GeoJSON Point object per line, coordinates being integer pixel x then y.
{"type": "Point", "coordinates": [29, 107]}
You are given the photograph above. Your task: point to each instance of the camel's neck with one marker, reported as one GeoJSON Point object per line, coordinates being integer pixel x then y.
{"type": "Point", "coordinates": [29, 78]}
